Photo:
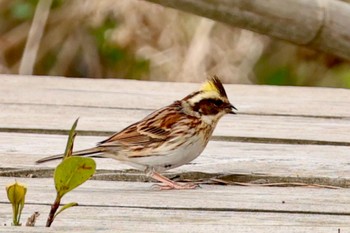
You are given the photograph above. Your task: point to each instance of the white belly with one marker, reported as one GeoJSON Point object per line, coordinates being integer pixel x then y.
{"type": "Point", "coordinates": [172, 159]}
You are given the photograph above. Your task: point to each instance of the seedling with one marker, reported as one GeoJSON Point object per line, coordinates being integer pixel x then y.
{"type": "Point", "coordinates": [16, 194]}
{"type": "Point", "coordinates": [69, 174]}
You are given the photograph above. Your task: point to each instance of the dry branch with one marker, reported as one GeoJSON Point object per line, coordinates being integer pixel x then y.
{"type": "Point", "coordinates": [320, 24]}
{"type": "Point", "coordinates": [34, 37]}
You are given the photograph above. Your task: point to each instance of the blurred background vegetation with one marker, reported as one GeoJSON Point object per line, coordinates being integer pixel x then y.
{"type": "Point", "coordinates": [139, 40]}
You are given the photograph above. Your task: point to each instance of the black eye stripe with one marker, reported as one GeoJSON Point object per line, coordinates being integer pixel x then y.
{"type": "Point", "coordinates": [208, 106]}
{"type": "Point", "coordinates": [216, 102]}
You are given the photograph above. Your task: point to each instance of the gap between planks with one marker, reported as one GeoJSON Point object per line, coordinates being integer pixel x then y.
{"type": "Point", "coordinates": [208, 198]}
{"type": "Point", "coordinates": [153, 109]}
{"type": "Point", "coordinates": [263, 128]}
{"type": "Point", "coordinates": [252, 180]}
{"type": "Point", "coordinates": [227, 161]}
{"type": "Point", "coordinates": [213, 138]}
{"type": "Point", "coordinates": [155, 221]}
{"type": "Point", "coordinates": [202, 209]}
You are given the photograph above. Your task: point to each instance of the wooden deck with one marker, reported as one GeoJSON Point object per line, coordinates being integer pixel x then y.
{"type": "Point", "coordinates": [282, 164]}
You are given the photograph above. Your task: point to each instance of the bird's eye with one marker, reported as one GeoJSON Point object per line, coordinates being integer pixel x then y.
{"type": "Point", "coordinates": [218, 103]}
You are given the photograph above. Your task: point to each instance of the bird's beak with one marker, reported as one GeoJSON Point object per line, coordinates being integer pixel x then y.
{"type": "Point", "coordinates": [230, 109]}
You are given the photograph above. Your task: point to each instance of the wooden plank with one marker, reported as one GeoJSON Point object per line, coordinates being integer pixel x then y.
{"type": "Point", "coordinates": [53, 103]}
{"type": "Point", "coordinates": [309, 101]}
{"type": "Point", "coordinates": [209, 198]}
{"type": "Point", "coordinates": [122, 205]}
{"type": "Point", "coordinates": [255, 127]}
{"type": "Point", "coordinates": [326, 164]}
{"type": "Point", "coordinates": [94, 219]}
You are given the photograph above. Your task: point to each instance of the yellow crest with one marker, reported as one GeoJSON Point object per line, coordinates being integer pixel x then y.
{"type": "Point", "coordinates": [209, 86]}
{"type": "Point", "coordinates": [214, 84]}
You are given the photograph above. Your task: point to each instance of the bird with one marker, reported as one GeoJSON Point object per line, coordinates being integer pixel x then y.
{"type": "Point", "coordinates": [168, 137]}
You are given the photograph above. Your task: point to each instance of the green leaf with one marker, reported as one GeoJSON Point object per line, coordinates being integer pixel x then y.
{"type": "Point", "coordinates": [66, 206]}
{"type": "Point", "coordinates": [72, 172]}
{"type": "Point", "coordinates": [70, 142]}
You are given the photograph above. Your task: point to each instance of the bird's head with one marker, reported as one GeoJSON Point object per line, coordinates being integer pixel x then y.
{"type": "Point", "coordinates": [210, 102]}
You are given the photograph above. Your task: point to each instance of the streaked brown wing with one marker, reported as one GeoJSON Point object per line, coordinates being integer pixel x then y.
{"type": "Point", "coordinates": [156, 127]}
{"type": "Point", "coordinates": [129, 136]}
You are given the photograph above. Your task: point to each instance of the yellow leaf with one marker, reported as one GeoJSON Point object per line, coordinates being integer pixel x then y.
{"type": "Point", "coordinates": [16, 192]}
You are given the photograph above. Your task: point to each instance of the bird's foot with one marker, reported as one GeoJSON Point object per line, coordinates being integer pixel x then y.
{"type": "Point", "coordinates": [168, 184]}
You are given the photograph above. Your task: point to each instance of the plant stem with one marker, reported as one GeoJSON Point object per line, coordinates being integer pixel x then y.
{"type": "Point", "coordinates": [15, 215]}
{"type": "Point", "coordinates": [54, 208]}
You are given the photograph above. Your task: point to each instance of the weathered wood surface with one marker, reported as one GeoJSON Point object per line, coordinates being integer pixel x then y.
{"type": "Point", "coordinates": [321, 24]}
{"type": "Point", "coordinates": [138, 95]}
{"type": "Point", "coordinates": [265, 112]}
{"type": "Point", "coordinates": [220, 158]}
{"type": "Point", "coordinates": [281, 136]}
{"type": "Point", "coordinates": [134, 207]}
{"type": "Point", "coordinates": [39, 118]}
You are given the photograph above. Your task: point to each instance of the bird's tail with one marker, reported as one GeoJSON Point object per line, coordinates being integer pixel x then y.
{"type": "Point", "coordinates": [91, 152]}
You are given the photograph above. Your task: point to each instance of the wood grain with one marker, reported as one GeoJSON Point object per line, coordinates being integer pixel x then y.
{"type": "Point", "coordinates": [106, 121]}
{"type": "Point", "coordinates": [325, 164]}
{"type": "Point", "coordinates": [107, 205]}
{"type": "Point", "coordinates": [318, 115]}
{"type": "Point", "coordinates": [92, 220]}
{"type": "Point", "coordinates": [131, 94]}
{"type": "Point", "coordinates": [281, 134]}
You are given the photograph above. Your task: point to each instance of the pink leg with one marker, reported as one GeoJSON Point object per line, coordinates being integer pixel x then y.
{"type": "Point", "coordinates": [169, 184]}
